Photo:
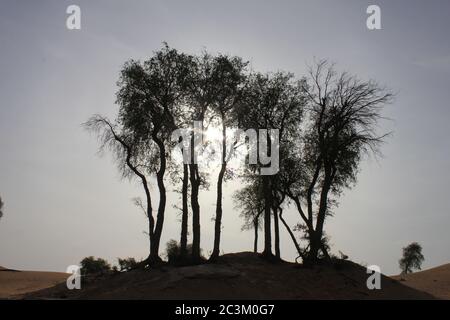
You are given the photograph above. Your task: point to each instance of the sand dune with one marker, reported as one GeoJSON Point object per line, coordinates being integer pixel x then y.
{"type": "Point", "coordinates": [435, 281]}
{"type": "Point", "coordinates": [238, 276]}
{"type": "Point", "coordinates": [14, 282]}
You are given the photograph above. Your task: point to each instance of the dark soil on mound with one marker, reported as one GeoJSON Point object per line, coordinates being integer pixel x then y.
{"type": "Point", "coordinates": [242, 275]}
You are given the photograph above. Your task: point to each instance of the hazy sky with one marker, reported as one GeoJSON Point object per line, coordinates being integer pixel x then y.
{"type": "Point", "coordinates": [63, 202]}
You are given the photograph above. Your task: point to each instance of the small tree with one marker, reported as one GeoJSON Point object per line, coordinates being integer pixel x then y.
{"type": "Point", "coordinates": [250, 200]}
{"type": "Point", "coordinates": [91, 265]}
{"type": "Point", "coordinates": [412, 258]}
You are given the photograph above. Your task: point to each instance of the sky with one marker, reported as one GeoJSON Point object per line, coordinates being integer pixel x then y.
{"type": "Point", "coordinates": [63, 201]}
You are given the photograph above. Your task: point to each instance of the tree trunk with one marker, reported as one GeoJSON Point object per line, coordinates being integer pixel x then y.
{"type": "Point", "coordinates": [255, 243]}
{"type": "Point", "coordinates": [276, 233]}
{"type": "Point", "coordinates": [294, 240]}
{"type": "Point", "coordinates": [267, 205]}
{"type": "Point", "coordinates": [195, 213]}
{"type": "Point", "coordinates": [184, 215]}
{"type": "Point", "coordinates": [314, 247]}
{"type": "Point", "coordinates": [317, 244]}
{"type": "Point", "coordinates": [267, 217]}
{"type": "Point", "coordinates": [154, 254]}
{"type": "Point", "coordinates": [195, 183]}
{"type": "Point", "coordinates": [194, 177]}
{"type": "Point", "coordinates": [218, 220]}
{"type": "Point", "coordinates": [151, 221]}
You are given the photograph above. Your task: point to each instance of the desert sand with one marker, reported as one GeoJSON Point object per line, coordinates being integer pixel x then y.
{"type": "Point", "coordinates": [435, 281]}
{"type": "Point", "coordinates": [14, 283]}
{"type": "Point", "coordinates": [236, 276]}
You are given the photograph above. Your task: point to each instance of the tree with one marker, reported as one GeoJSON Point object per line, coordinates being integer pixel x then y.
{"type": "Point", "coordinates": [202, 91]}
{"type": "Point", "coordinates": [342, 115]}
{"type": "Point", "coordinates": [149, 99]}
{"type": "Point", "coordinates": [130, 158]}
{"type": "Point", "coordinates": [412, 258]}
{"type": "Point", "coordinates": [175, 175]}
{"type": "Point", "coordinates": [229, 77]}
{"type": "Point", "coordinates": [1, 208]}
{"type": "Point", "coordinates": [251, 202]}
{"type": "Point", "coordinates": [271, 101]}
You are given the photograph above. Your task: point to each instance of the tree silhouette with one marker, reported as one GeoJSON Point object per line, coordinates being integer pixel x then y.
{"type": "Point", "coordinates": [130, 158]}
{"type": "Point", "coordinates": [148, 98]}
{"type": "Point", "coordinates": [272, 101]}
{"type": "Point", "coordinates": [203, 87]}
{"type": "Point", "coordinates": [229, 76]}
{"type": "Point", "coordinates": [342, 115]}
{"type": "Point", "coordinates": [412, 258]}
{"type": "Point", "coordinates": [251, 202]}
{"type": "Point", "coordinates": [183, 176]}
{"type": "Point", "coordinates": [325, 123]}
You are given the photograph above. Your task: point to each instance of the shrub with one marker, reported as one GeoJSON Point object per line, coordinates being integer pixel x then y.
{"type": "Point", "coordinates": [91, 265]}
{"type": "Point", "coordinates": [126, 264]}
{"type": "Point", "coordinates": [173, 253]}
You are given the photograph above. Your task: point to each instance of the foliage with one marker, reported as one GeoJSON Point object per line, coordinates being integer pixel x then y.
{"type": "Point", "coordinates": [91, 265]}
{"type": "Point", "coordinates": [412, 258]}
{"type": "Point", "coordinates": [251, 203]}
{"type": "Point", "coordinates": [127, 264]}
{"type": "Point", "coordinates": [174, 256]}
{"type": "Point", "coordinates": [342, 115]}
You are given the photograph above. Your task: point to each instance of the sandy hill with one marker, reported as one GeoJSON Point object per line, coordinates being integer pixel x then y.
{"type": "Point", "coordinates": [237, 276]}
{"type": "Point", "coordinates": [435, 281]}
{"type": "Point", "coordinates": [14, 283]}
